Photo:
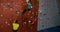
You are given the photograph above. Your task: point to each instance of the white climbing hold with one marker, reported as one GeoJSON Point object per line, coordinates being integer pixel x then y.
{"type": "Point", "coordinates": [8, 4]}
{"type": "Point", "coordinates": [6, 22]}
{"type": "Point", "coordinates": [1, 15]}
{"type": "Point", "coordinates": [29, 21]}
{"type": "Point", "coordinates": [39, 11]}
{"type": "Point", "coordinates": [27, 0]}
{"type": "Point", "coordinates": [24, 22]}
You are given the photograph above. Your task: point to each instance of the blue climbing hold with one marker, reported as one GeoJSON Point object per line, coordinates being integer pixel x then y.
{"type": "Point", "coordinates": [29, 5]}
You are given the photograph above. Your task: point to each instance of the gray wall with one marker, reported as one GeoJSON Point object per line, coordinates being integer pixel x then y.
{"type": "Point", "coordinates": [49, 16]}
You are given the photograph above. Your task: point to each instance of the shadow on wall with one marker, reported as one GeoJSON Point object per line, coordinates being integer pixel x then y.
{"type": "Point", "coordinates": [53, 29]}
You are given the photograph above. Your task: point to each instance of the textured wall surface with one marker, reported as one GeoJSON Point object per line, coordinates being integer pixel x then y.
{"type": "Point", "coordinates": [49, 16]}
{"type": "Point", "coordinates": [12, 10]}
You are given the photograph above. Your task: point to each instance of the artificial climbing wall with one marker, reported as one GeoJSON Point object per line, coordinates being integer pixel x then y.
{"type": "Point", "coordinates": [49, 15]}
{"type": "Point", "coordinates": [11, 10]}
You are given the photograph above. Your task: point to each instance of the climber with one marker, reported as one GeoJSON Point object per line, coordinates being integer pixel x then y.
{"type": "Point", "coordinates": [15, 26]}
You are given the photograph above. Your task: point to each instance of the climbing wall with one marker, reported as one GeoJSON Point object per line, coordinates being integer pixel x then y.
{"type": "Point", "coordinates": [11, 10]}
{"type": "Point", "coordinates": [49, 15]}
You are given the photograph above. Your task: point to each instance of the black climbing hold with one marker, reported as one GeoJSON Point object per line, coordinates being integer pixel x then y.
{"type": "Point", "coordinates": [24, 11]}
{"type": "Point", "coordinates": [44, 14]}
{"type": "Point", "coordinates": [17, 10]}
{"type": "Point", "coordinates": [59, 13]}
{"type": "Point", "coordinates": [16, 21]}
{"type": "Point", "coordinates": [28, 9]}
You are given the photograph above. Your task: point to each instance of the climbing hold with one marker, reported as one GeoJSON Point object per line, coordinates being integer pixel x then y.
{"type": "Point", "coordinates": [42, 4]}
{"type": "Point", "coordinates": [24, 11]}
{"type": "Point", "coordinates": [43, 26]}
{"type": "Point", "coordinates": [33, 13]}
{"type": "Point", "coordinates": [35, 21]}
{"type": "Point", "coordinates": [31, 17]}
{"type": "Point", "coordinates": [29, 5]}
{"type": "Point", "coordinates": [44, 14]}
{"type": "Point", "coordinates": [1, 15]}
{"type": "Point", "coordinates": [8, 4]}
{"type": "Point", "coordinates": [6, 22]}
{"type": "Point", "coordinates": [11, 9]}
{"type": "Point", "coordinates": [24, 22]}
{"type": "Point", "coordinates": [58, 12]}
{"type": "Point", "coordinates": [27, 1]}
{"type": "Point", "coordinates": [29, 21]}
{"type": "Point", "coordinates": [17, 11]}
{"type": "Point", "coordinates": [39, 11]}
